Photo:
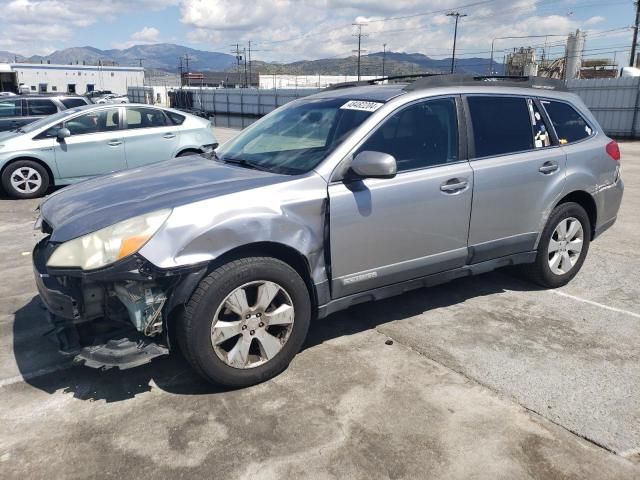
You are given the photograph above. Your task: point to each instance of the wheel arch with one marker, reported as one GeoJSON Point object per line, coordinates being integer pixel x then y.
{"type": "Point", "coordinates": [586, 201]}
{"type": "Point", "coordinates": [195, 151]}
{"type": "Point", "coordinates": [31, 159]}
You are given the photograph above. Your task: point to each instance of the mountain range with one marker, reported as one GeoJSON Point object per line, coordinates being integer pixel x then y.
{"type": "Point", "coordinates": [166, 57]}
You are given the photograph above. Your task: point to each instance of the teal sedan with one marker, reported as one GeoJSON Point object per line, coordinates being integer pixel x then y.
{"type": "Point", "coordinates": [79, 143]}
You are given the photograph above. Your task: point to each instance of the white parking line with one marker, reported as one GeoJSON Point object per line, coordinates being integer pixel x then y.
{"type": "Point", "coordinates": [37, 373]}
{"type": "Point", "coordinates": [595, 304]}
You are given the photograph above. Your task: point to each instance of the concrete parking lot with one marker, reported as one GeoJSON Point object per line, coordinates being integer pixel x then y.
{"type": "Point", "coordinates": [487, 377]}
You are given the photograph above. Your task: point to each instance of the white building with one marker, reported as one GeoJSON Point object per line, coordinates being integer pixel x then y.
{"type": "Point", "coordinates": [80, 79]}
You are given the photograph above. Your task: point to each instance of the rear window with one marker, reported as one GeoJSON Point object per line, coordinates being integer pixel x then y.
{"type": "Point", "coordinates": [569, 124]}
{"type": "Point", "coordinates": [501, 125]}
{"type": "Point", "coordinates": [10, 108]}
{"type": "Point", "coordinates": [176, 118]}
{"type": "Point", "coordinates": [141, 117]}
{"type": "Point", "coordinates": [73, 102]}
{"type": "Point", "coordinates": [40, 107]}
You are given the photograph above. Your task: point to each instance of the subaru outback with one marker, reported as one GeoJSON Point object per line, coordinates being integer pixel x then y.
{"type": "Point", "coordinates": [357, 193]}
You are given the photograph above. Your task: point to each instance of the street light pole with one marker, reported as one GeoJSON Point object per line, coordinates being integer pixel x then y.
{"type": "Point", "coordinates": [458, 15]}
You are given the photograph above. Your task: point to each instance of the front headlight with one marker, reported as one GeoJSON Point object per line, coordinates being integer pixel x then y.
{"type": "Point", "coordinates": [110, 244]}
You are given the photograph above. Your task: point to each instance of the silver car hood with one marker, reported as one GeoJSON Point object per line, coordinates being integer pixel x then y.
{"type": "Point", "coordinates": [97, 203]}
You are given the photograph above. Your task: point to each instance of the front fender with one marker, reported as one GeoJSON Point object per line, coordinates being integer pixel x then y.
{"type": "Point", "coordinates": [289, 213]}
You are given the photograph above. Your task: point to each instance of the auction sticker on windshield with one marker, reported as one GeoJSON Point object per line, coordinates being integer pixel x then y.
{"type": "Point", "coordinates": [361, 105]}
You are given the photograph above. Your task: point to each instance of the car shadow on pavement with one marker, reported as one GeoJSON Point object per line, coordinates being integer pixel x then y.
{"type": "Point", "coordinates": [44, 368]}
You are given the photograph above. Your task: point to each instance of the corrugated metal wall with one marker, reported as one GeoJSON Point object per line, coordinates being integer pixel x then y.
{"type": "Point", "coordinates": [614, 102]}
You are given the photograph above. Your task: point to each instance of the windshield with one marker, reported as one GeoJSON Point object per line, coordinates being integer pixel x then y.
{"type": "Point", "coordinates": [297, 137]}
{"type": "Point", "coordinates": [43, 122]}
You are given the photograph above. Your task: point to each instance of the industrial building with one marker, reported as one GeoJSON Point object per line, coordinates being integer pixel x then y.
{"type": "Point", "coordinates": [80, 79]}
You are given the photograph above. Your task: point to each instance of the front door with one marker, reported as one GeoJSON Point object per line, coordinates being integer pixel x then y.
{"type": "Point", "coordinates": [95, 146]}
{"type": "Point", "coordinates": [385, 231]}
{"type": "Point", "coordinates": [519, 173]}
{"type": "Point", "coordinates": [149, 136]}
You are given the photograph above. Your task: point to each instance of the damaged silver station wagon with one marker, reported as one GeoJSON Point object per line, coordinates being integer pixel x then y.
{"type": "Point", "coordinates": [358, 193]}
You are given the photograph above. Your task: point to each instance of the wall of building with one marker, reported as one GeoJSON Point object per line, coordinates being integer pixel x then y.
{"type": "Point", "coordinates": [306, 81]}
{"type": "Point", "coordinates": [58, 78]}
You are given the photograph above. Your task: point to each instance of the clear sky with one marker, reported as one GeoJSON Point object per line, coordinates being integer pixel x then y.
{"type": "Point", "coordinates": [286, 30]}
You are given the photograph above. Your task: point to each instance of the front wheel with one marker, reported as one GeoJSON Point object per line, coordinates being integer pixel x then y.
{"type": "Point", "coordinates": [245, 322]}
{"type": "Point", "coordinates": [563, 246]}
{"type": "Point", "coordinates": [25, 179]}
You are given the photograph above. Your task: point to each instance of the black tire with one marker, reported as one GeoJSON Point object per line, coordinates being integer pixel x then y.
{"type": "Point", "coordinates": [540, 272]}
{"type": "Point", "coordinates": [194, 329]}
{"type": "Point", "coordinates": [187, 153]}
{"type": "Point", "coordinates": [22, 166]}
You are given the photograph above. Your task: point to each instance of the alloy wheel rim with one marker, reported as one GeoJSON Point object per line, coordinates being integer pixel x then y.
{"type": "Point", "coordinates": [26, 180]}
{"type": "Point", "coordinates": [252, 324]}
{"type": "Point", "coordinates": [565, 246]}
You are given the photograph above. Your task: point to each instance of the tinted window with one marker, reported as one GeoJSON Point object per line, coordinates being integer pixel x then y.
{"type": "Point", "coordinates": [73, 102]}
{"type": "Point", "coordinates": [141, 117]}
{"type": "Point", "coordinates": [176, 118]}
{"type": "Point", "coordinates": [40, 107]}
{"type": "Point", "coordinates": [422, 135]}
{"type": "Point", "coordinates": [500, 125]}
{"type": "Point", "coordinates": [94, 122]}
{"type": "Point", "coordinates": [10, 108]}
{"type": "Point", "coordinates": [569, 124]}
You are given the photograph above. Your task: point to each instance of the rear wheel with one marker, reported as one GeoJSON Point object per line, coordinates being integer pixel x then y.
{"type": "Point", "coordinates": [25, 179]}
{"type": "Point", "coordinates": [245, 322]}
{"type": "Point", "coordinates": [563, 246]}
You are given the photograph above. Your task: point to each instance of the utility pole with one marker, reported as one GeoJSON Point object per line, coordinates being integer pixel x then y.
{"type": "Point", "coordinates": [244, 53]}
{"type": "Point", "coordinates": [632, 60]}
{"type": "Point", "coordinates": [384, 55]}
{"type": "Point", "coordinates": [458, 15]}
{"type": "Point", "coordinates": [238, 58]}
{"type": "Point", "coordinates": [359, 35]}
{"type": "Point", "coordinates": [140, 60]}
{"type": "Point", "coordinates": [181, 72]}
{"type": "Point", "coordinates": [186, 58]}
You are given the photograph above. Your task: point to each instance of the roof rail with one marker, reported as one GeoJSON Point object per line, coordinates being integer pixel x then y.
{"type": "Point", "coordinates": [472, 80]}
{"type": "Point", "coordinates": [373, 81]}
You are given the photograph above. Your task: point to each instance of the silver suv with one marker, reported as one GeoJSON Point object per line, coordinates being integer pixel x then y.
{"type": "Point", "coordinates": [355, 194]}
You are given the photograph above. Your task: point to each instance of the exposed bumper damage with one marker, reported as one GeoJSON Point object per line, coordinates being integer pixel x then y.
{"type": "Point", "coordinates": [112, 317]}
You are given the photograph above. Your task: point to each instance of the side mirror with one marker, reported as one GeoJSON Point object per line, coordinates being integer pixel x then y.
{"type": "Point", "coordinates": [63, 133]}
{"type": "Point", "coordinates": [369, 164]}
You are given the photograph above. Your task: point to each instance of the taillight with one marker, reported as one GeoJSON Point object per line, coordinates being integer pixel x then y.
{"type": "Point", "coordinates": [613, 150]}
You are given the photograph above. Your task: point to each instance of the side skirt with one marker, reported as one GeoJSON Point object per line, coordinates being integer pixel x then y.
{"type": "Point", "coordinates": [428, 281]}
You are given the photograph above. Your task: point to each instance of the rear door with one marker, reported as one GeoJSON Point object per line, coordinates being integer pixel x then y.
{"type": "Point", "coordinates": [385, 231]}
{"type": "Point", "coordinates": [519, 172]}
{"type": "Point", "coordinates": [10, 114]}
{"type": "Point", "coordinates": [95, 146]}
{"type": "Point", "coordinates": [149, 136]}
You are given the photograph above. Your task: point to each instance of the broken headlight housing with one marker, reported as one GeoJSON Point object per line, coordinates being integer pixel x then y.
{"type": "Point", "coordinates": [106, 246]}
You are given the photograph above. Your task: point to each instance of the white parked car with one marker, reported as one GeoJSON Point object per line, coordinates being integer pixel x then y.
{"type": "Point", "coordinates": [113, 98]}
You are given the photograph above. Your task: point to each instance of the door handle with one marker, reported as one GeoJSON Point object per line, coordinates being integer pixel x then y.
{"type": "Point", "coordinates": [169, 135]}
{"type": "Point", "coordinates": [548, 167]}
{"type": "Point", "coordinates": [454, 185]}
{"type": "Point", "coordinates": [114, 143]}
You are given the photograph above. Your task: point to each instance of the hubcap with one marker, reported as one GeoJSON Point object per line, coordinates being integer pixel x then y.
{"type": "Point", "coordinates": [26, 180]}
{"type": "Point", "coordinates": [252, 324]}
{"type": "Point", "coordinates": [565, 246]}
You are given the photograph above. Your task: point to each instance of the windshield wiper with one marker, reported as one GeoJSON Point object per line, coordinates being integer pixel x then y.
{"type": "Point", "coordinates": [245, 163]}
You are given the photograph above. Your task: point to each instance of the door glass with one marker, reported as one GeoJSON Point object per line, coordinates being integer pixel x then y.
{"type": "Point", "coordinates": [422, 135]}
{"type": "Point", "coordinates": [141, 117]}
{"type": "Point", "coordinates": [10, 108]}
{"type": "Point", "coordinates": [41, 107]}
{"type": "Point", "coordinates": [94, 122]}
{"type": "Point", "coordinates": [569, 124]}
{"type": "Point", "coordinates": [501, 125]}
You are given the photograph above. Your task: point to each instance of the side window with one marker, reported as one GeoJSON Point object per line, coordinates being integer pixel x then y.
{"type": "Point", "coordinates": [142, 117]}
{"type": "Point", "coordinates": [94, 122]}
{"type": "Point", "coordinates": [73, 102]}
{"type": "Point", "coordinates": [501, 125]}
{"type": "Point", "coordinates": [41, 107]}
{"type": "Point", "coordinates": [176, 118]}
{"type": "Point", "coordinates": [541, 136]}
{"type": "Point", "coordinates": [422, 135]}
{"type": "Point", "coordinates": [569, 124]}
{"type": "Point", "coordinates": [10, 108]}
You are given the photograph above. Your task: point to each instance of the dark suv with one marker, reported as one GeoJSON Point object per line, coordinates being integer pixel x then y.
{"type": "Point", "coordinates": [16, 111]}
